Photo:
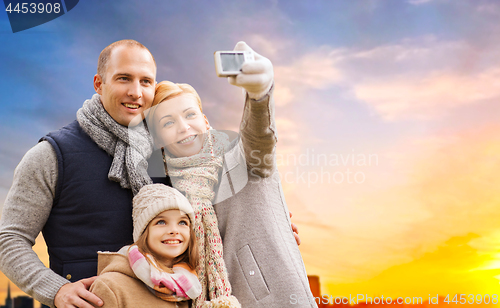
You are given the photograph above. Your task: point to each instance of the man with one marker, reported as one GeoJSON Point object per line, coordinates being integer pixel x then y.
{"type": "Point", "coordinates": [63, 186]}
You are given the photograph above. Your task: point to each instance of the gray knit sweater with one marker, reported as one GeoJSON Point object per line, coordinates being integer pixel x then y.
{"type": "Point", "coordinates": [26, 209]}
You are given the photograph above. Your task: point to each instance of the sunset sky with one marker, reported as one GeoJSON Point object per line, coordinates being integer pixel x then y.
{"type": "Point", "coordinates": [387, 114]}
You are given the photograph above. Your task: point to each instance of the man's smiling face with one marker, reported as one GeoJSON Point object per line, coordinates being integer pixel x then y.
{"type": "Point", "coordinates": [128, 86]}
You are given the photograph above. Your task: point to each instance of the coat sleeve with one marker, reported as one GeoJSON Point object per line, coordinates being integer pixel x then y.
{"type": "Point", "coordinates": [258, 135]}
{"type": "Point", "coordinates": [102, 290]}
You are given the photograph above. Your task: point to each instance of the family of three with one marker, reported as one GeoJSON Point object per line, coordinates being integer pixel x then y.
{"type": "Point", "coordinates": [212, 231]}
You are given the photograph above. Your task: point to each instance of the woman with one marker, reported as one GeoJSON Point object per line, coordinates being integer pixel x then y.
{"type": "Point", "coordinates": [260, 253]}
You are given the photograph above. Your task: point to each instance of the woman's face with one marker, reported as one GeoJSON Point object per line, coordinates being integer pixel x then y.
{"type": "Point", "coordinates": [180, 125]}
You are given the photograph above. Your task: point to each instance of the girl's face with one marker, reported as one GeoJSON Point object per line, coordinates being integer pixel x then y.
{"type": "Point", "coordinates": [180, 125]}
{"type": "Point", "coordinates": [168, 236]}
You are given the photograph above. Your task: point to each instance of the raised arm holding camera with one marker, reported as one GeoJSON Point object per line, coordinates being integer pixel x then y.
{"type": "Point", "coordinates": [262, 257]}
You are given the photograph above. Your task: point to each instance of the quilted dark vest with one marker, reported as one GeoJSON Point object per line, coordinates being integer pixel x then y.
{"type": "Point", "coordinates": [90, 213]}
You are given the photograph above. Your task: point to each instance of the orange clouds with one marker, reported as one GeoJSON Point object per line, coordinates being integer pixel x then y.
{"type": "Point", "coordinates": [410, 235]}
{"type": "Point", "coordinates": [429, 95]}
{"type": "Point", "coordinates": [443, 271]}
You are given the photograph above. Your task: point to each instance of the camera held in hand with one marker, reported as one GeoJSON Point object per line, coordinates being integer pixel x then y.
{"type": "Point", "coordinates": [229, 63]}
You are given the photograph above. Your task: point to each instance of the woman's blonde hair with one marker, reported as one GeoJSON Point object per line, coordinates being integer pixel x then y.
{"type": "Point", "coordinates": [166, 90]}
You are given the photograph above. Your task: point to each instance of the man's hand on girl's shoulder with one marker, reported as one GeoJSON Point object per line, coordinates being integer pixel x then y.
{"type": "Point", "coordinates": [77, 294]}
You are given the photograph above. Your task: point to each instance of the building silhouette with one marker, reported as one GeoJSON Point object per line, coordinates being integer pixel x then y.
{"type": "Point", "coordinates": [314, 285]}
{"type": "Point", "coordinates": [17, 302]}
{"type": "Point", "coordinates": [23, 302]}
{"type": "Point", "coordinates": [8, 300]}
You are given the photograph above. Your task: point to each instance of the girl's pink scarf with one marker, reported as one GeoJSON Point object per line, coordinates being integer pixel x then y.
{"type": "Point", "coordinates": [181, 285]}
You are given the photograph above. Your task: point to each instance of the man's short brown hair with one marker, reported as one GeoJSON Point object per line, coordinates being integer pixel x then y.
{"type": "Point", "coordinates": [102, 63]}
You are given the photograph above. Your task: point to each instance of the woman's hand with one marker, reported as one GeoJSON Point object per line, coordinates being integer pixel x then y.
{"type": "Point", "coordinates": [295, 231]}
{"type": "Point", "coordinates": [256, 77]}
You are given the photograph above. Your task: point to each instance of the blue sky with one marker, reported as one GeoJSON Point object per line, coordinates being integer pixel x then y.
{"type": "Point", "coordinates": [414, 81]}
{"type": "Point", "coordinates": [47, 70]}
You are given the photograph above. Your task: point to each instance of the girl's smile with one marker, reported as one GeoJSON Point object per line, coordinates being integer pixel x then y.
{"type": "Point", "coordinates": [168, 235]}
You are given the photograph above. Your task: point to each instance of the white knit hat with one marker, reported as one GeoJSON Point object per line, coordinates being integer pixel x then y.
{"type": "Point", "coordinates": [153, 199]}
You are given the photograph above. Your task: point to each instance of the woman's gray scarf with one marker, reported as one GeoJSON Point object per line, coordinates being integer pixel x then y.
{"type": "Point", "coordinates": [196, 176]}
{"type": "Point", "coordinates": [129, 146]}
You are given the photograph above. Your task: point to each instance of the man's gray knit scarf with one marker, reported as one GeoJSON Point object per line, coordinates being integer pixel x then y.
{"type": "Point", "coordinates": [130, 147]}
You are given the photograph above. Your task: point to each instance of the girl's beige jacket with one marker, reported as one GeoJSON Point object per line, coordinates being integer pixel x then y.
{"type": "Point", "coordinates": [118, 287]}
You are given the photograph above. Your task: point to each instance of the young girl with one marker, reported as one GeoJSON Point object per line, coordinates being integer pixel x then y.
{"type": "Point", "coordinates": [158, 269]}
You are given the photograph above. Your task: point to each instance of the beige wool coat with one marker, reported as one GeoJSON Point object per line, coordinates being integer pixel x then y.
{"type": "Point", "coordinates": [118, 287]}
